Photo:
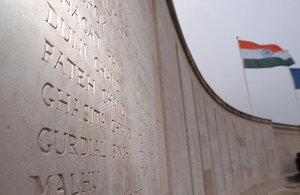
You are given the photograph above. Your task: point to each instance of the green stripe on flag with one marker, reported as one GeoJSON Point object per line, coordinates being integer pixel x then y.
{"type": "Point", "coordinates": [267, 62]}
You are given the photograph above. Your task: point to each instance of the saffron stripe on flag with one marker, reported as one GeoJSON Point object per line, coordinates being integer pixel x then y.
{"type": "Point", "coordinates": [296, 77]}
{"type": "Point", "coordinates": [251, 45]}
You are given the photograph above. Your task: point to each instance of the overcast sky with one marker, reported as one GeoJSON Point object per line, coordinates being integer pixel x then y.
{"type": "Point", "coordinates": [210, 28]}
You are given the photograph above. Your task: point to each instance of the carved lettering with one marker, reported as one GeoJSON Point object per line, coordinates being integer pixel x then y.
{"type": "Point", "coordinates": [48, 52]}
{"type": "Point", "coordinates": [39, 187]}
{"type": "Point", "coordinates": [69, 68]}
{"type": "Point", "coordinates": [144, 171]}
{"type": "Point", "coordinates": [98, 15]}
{"type": "Point", "coordinates": [141, 139]}
{"type": "Point", "coordinates": [96, 179]}
{"type": "Point", "coordinates": [106, 74]}
{"type": "Point", "coordinates": [86, 184]}
{"type": "Point", "coordinates": [98, 11]}
{"type": "Point", "coordinates": [67, 33]}
{"type": "Point", "coordinates": [73, 10]}
{"type": "Point", "coordinates": [84, 146]}
{"type": "Point", "coordinates": [97, 118]}
{"type": "Point", "coordinates": [60, 146]}
{"type": "Point", "coordinates": [113, 103]}
{"type": "Point", "coordinates": [68, 4]}
{"type": "Point", "coordinates": [43, 141]}
{"type": "Point", "coordinates": [48, 94]}
{"type": "Point", "coordinates": [79, 45]}
{"type": "Point", "coordinates": [61, 188]}
{"type": "Point", "coordinates": [113, 62]}
{"type": "Point", "coordinates": [52, 18]}
{"type": "Point", "coordinates": [73, 143]}
{"type": "Point", "coordinates": [143, 155]}
{"type": "Point", "coordinates": [68, 184]}
{"type": "Point", "coordinates": [75, 188]}
{"type": "Point", "coordinates": [61, 64]}
{"type": "Point", "coordinates": [62, 100]}
{"type": "Point", "coordinates": [121, 152]}
{"type": "Point", "coordinates": [120, 129]}
{"type": "Point", "coordinates": [56, 98]}
{"type": "Point", "coordinates": [137, 192]}
{"type": "Point", "coordinates": [54, 141]}
{"type": "Point", "coordinates": [149, 171]}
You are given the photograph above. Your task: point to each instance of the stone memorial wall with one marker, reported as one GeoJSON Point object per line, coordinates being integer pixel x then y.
{"type": "Point", "coordinates": [103, 97]}
{"type": "Point", "coordinates": [287, 141]}
{"type": "Point", "coordinates": [78, 100]}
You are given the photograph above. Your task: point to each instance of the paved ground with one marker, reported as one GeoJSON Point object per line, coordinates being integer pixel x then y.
{"type": "Point", "coordinates": [292, 188]}
{"type": "Point", "coordinates": [286, 191]}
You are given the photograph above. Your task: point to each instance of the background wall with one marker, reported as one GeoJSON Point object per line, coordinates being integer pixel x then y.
{"type": "Point", "coordinates": [211, 148]}
{"type": "Point", "coordinates": [287, 142]}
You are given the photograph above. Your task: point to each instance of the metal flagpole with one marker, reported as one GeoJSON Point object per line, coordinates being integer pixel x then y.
{"type": "Point", "coordinates": [237, 38]}
{"type": "Point", "coordinates": [292, 80]}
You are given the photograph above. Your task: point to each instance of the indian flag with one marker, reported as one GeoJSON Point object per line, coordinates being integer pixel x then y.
{"type": "Point", "coordinates": [264, 56]}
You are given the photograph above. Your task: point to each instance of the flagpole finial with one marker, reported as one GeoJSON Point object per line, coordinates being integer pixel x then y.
{"type": "Point", "coordinates": [237, 37]}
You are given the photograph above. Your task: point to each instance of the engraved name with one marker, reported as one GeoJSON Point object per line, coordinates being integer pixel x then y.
{"type": "Point", "coordinates": [75, 183]}
{"type": "Point", "coordinates": [118, 20]}
{"type": "Point", "coordinates": [54, 97]}
{"type": "Point", "coordinates": [105, 73]}
{"type": "Point", "coordinates": [62, 143]}
{"type": "Point", "coordinates": [68, 184]}
{"type": "Point", "coordinates": [120, 152]}
{"type": "Point", "coordinates": [149, 171]}
{"type": "Point", "coordinates": [120, 129]}
{"type": "Point", "coordinates": [68, 67]}
{"type": "Point", "coordinates": [113, 102]}
{"type": "Point", "coordinates": [57, 22]}
{"type": "Point", "coordinates": [68, 34]}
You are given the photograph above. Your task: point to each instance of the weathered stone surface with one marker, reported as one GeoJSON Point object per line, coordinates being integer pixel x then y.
{"type": "Point", "coordinates": [215, 149]}
{"type": "Point", "coordinates": [242, 150]}
{"type": "Point", "coordinates": [224, 150]}
{"type": "Point", "coordinates": [260, 152]}
{"type": "Point", "coordinates": [269, 147]}
{"type": "Point", "coordinates": [78, 99]}
{"type": "Point", "coordinates": [287, 142]}
{"type": "Point", "coordinates": [251, 151]}
{"type": "Point", "coordinates": [204, 142]}
{"type": "Point", "coordinates": [103, 97]}
{"type": "Point", "coordinates": [235, 163]}
{"type": "Point", "coordinates": [193, 137]}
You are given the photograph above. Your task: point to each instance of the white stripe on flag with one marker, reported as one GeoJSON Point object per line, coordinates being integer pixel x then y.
{"type": "Point", "coordinates": [257, 54]}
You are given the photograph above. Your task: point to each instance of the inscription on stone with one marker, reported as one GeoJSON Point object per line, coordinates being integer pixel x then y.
{"type": "Point", "coordinates": [85, 100]}
{"type": "Point", "coordinates": [60, 143]}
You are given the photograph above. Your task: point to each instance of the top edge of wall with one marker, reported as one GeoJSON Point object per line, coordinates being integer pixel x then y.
{"type": "Point", "coordinates": [286, 126]}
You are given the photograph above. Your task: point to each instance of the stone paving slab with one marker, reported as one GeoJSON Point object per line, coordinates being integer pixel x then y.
{"type": "Point", "coordinates": [286, 191]}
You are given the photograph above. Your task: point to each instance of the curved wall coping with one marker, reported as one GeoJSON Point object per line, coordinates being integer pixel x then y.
{"type": "Point", "coordinates": [286, 127]}
{"type": "Point", "coordinates": [200, 77]}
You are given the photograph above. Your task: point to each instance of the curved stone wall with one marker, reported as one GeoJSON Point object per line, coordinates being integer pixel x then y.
{"type": "Point", "coordinates": [219, 150]}
{"type": "Point", "coordinates": [103, 97]}
{"type": "Point", "coordinates": [287, 139]}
